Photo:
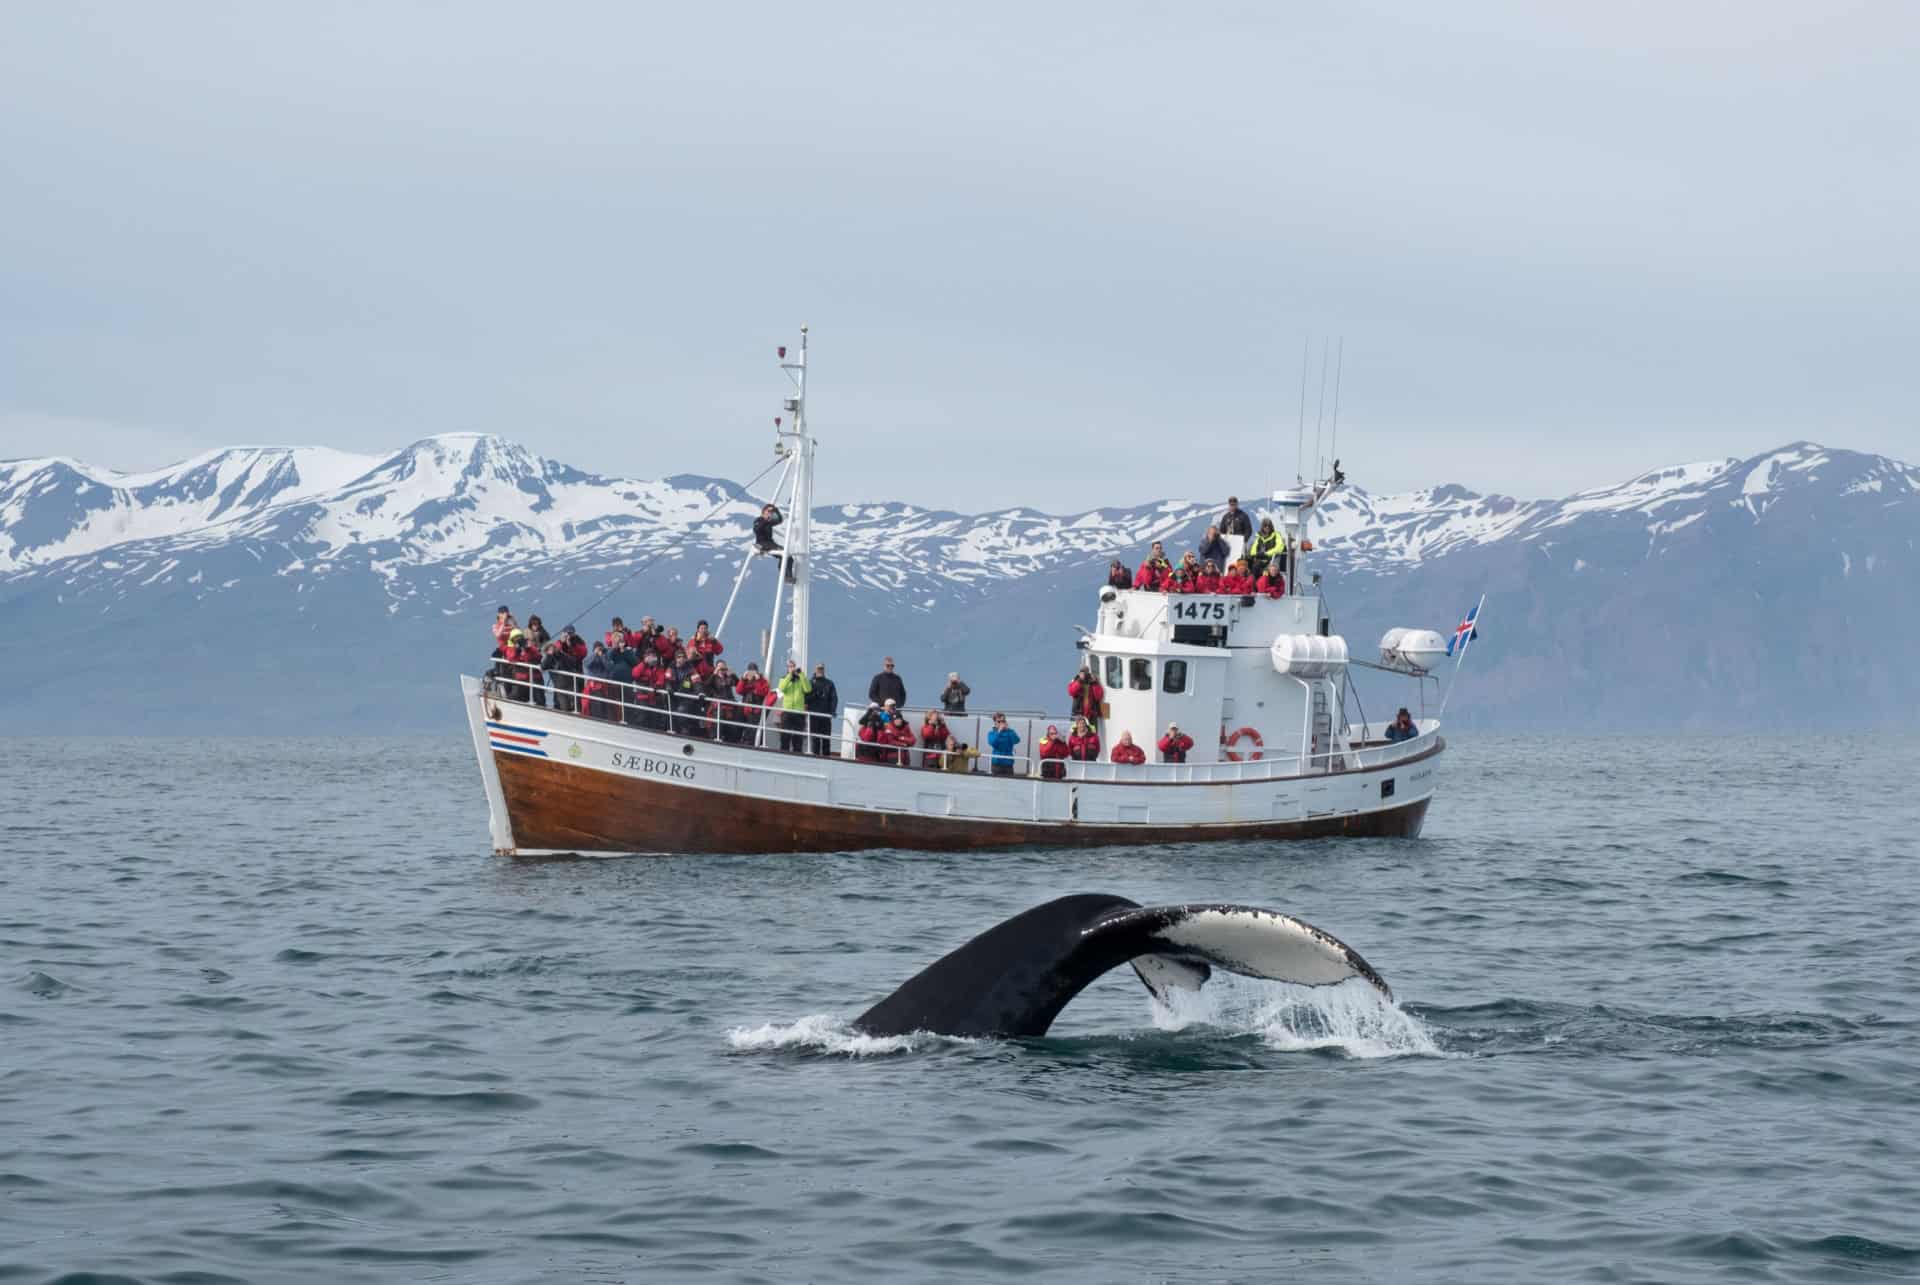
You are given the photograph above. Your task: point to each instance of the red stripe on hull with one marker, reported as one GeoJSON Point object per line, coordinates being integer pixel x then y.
{"type": "Point", "coordinates": [562, 808]}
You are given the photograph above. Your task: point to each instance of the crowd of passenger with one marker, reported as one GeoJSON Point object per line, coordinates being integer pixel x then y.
{"type": "Point", "coordinates": [1213, 566]}
{"type": "Point", "coordinates": [651, 677]}
{"type": "Point", "coordinates": [654, 678]}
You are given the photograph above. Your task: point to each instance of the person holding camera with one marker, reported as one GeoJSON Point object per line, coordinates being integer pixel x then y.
{"type": "Point", "coordinates": [1001, 740]}
{"type": "Point", "coordinates": [953, 697]}
{"type": "Point", "coordinates": [564, 658]}
{"type": "Point", "coordinates": [1086, 693]}
{"type": "Point", "coordinates": [794, 688]}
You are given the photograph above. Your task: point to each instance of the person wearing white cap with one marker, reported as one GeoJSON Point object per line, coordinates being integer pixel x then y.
{"type": "Point", "coordinates": [954, 698]}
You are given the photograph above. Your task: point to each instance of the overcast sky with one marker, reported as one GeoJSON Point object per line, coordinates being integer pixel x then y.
{"type": "Point", "coordinates": [1058, 255]}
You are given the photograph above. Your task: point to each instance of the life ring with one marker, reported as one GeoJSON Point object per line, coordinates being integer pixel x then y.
{"type": "Point", "coordinates": [1228, 742]}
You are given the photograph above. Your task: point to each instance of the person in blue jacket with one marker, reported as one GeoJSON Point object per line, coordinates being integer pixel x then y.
{"type": "Point", "coordinates": [1001, 741]}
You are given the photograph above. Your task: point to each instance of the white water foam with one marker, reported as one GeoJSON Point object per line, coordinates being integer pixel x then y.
{"type": "Point", "coordinates": [826, 1034]}
{"type": "Point", "coordinates": [1352, 1017]}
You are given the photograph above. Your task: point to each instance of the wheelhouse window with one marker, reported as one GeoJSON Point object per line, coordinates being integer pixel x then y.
{"type": "Point", "coordinates": [1174, 680]}
{"type": "Point", "coordinates": [1113, 672]}
{"type": "Point", "coordinates": [1140, 674]}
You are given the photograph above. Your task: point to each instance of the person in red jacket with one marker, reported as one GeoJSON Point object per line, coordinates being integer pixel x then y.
{"type": "Point", "coordinates": [1238, 579]}
{"type": "Point", "coordinates": [1174, 745]}
{"type": "Point", "coordinates": [1271, 582]}
{"type": "Point", "coordinates": [517, 667]}
{"type": "Point", "coordinates": [1086, 693]}
{"type": "Point", "coordinates": [648, 696]}
{"type": "Point", "coordinates": [1208, 580]}
{"type": "Point", "coordinates": [723, 703]}
{"type": "Point", "coordinates": [934, 734]}
{"type": "Point", "coordinates": [1180, 582]}
{"type": "Point", "coordinates": [1083, 743]}
{"type": "Point", "coordinates": [667, 644]}
{"type": "Point", "coordinates": [1154, 571]}
{"type": "Point", "coordinates": [1125, 751]}
{"type": "Point", "coordinates": [896, 736]}
{"type": "Point", "coordinates": [704, 645]}
{"type": "Point", "coordinates": [616, 636]}
{"type": "Point", "coordinates": [753, 690]}
{"type": "Point", "coordinates": [1053, 753]}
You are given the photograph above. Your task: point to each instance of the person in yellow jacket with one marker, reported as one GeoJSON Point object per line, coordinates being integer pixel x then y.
{"type": "Point", "coordinates": [794, 689]}
{"type": "Point", "coordinates": [1267, 545]}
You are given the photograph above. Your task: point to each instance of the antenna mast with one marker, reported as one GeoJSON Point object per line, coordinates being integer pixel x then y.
{"type": "Point", "coordinates": [798, 438]}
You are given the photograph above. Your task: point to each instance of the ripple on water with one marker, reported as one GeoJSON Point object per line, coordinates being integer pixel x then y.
{"type": "Point", "coordinates": [419, 1100]}
{"type": "Point", "coordinates": [1658, 1018]}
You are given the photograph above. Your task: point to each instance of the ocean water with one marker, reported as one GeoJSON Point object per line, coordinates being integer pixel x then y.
{"type": "Point", "coordinates": [269, 1010]}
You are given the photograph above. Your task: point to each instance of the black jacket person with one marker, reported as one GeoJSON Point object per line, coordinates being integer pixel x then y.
{"type": "Point", "coordinates": [763, 529]}
{"type": "Point", "coordinates": [823, 701]}
{"type": "Point", "coordinates": [887, 686]}
{"type": "Point", "coordinates": [1235, 520]}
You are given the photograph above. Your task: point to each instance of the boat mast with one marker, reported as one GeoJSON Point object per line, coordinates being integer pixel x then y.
{"type": "Point", "coordinates": [798, 440]}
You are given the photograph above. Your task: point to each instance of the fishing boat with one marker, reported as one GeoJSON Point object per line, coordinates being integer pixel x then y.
{"type": "Point", "coordinates": [1259, 682]}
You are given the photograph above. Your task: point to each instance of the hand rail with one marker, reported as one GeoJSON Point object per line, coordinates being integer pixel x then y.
{"type": "Point", "coordinates": [652, 709]}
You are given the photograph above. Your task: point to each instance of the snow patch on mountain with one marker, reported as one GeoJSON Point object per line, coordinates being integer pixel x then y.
{"type": "Point", "coordinates": [477, 507]}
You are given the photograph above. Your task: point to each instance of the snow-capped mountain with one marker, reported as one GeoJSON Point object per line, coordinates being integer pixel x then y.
{"type": "Point", "coordinates": [1723, 592]}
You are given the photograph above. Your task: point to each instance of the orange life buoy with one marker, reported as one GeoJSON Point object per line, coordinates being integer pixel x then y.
{"type": "Point", "coordinates": [1228, 742]}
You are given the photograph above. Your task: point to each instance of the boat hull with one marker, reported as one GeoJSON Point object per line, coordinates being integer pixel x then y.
{"type": "Point", "coordinates": [559, 783]}
{"type": "Point", "coordinates": [556, 807]}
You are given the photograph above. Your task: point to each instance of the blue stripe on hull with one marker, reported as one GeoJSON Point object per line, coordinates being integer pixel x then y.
{"type": "Point", "coordinates": [519, 731]}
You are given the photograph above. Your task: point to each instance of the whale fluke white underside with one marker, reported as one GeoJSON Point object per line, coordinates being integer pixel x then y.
{"type": "Point", "coordinates": [1014, 978]}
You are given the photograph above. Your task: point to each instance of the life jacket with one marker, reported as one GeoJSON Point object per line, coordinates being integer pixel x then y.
{"type": "Point", "coordinates": [1268, 545]}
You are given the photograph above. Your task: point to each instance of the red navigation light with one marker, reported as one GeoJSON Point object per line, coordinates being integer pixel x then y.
{"type": "Point", "coordinates": [776, 421]}
{"type": "Point", "coordinates": [783, 352]}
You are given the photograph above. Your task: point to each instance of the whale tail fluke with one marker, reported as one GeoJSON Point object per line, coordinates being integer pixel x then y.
{"type": "Point", "coordinates": [1014, 978]}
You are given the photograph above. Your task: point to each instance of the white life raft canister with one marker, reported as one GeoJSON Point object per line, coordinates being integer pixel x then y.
{"type": "Point", "coordinates": [1309, 655]}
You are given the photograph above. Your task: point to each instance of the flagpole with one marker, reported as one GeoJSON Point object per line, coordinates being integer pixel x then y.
{"type": "Point", "coordinates": [1466, 641]}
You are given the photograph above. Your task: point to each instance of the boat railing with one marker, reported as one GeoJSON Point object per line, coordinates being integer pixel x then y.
{"type": "Point", "coordinates": [731, 721]}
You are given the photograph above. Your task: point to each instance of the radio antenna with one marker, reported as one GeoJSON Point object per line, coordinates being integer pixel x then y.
{"type": "Point", "coordinates": [1300, 436]}
{"type": "Point", "coordinates": [1320, 411]}
{"type": "Point", "coordinates": [1339, 362]}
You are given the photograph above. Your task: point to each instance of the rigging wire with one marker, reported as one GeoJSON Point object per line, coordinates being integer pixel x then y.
{"type": "Point", "coordinates": [700, 522]}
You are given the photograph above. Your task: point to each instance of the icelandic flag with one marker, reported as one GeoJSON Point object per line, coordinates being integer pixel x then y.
{"type": "Point", "coordinates": [1465, 633]}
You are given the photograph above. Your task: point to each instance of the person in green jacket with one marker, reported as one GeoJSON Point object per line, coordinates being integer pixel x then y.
{"type": "Point", "coordinates": [794, 689]}
{"type": "Point", "coordinates": [1267, 545]}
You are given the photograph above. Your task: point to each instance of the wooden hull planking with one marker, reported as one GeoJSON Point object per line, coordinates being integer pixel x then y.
{"type": "Point", "coordinates": [554, 807]}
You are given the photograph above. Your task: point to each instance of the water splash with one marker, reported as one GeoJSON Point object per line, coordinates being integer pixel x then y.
{"type": "Point", "coordinates": [1351, 1018]}
{"type": "Point", "coordinates": [819, 1032]}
